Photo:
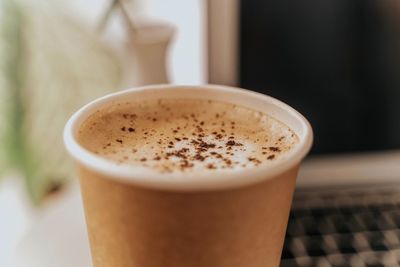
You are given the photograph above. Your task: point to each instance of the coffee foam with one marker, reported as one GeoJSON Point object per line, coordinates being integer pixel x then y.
{"type": "Point", "coordinates": [186, 135]}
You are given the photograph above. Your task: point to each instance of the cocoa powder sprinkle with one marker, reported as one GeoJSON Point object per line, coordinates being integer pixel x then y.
{"type": "Point", "coordinates": [275, 149]}
{"type": "Point", "coordinates": [210, 138]}
{"type": "Point", "coordinates": [211, 166]}
{"type": "Point", "coordinates": [199, 157]}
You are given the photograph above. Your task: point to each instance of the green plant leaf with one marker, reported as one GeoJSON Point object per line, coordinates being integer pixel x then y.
{"type": "Point", "coordinates": [59, 66]}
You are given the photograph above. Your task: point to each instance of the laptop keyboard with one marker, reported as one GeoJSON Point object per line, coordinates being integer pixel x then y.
{"type": "Point", "coordinates": [357, 229]}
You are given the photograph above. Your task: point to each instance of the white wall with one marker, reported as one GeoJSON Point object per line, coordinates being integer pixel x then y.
{"type": "Point", "coordinates": [188, 55]}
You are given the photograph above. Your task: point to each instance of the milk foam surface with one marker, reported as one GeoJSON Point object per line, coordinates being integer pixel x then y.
{"type": "Point", "coordinates": [186, 135]}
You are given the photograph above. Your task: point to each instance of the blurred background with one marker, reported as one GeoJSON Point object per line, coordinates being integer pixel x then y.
{"type": "Point", "coordinates": [336, 61]}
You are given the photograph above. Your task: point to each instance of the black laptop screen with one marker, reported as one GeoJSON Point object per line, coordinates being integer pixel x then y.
{"type": "Point", "coordinates": [336, 61]}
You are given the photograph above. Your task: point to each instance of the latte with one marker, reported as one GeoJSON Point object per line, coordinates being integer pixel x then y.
{"type": "Point", "coordinates": [186, 135]}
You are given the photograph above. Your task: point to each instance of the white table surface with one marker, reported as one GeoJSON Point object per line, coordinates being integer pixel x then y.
{"type": "Point", "coordinates": [57, 237]}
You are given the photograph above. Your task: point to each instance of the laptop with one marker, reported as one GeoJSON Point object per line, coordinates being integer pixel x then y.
{"type": "Point", "coordinates": [346, 208]}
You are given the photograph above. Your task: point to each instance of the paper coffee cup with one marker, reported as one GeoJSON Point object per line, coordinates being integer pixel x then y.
{"type": "Point", "coordinates": [138, 217]}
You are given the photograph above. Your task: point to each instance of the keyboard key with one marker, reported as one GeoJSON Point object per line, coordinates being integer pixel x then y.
{"type": "Point", "coordinates": [335, 219]}
{"type": "Point", "coordinates": [377, 241]}
{"type": "Point", "coordinates": [345, 243]}
{"type": "Point", "coordinates": [310, 226]}
{"type": "Point", "coordinates": [326, 226]}
{"type": "Point", "coordinates": [347, 250]}
{"type": "Point", "coordinates": [396, 256]}
{"type": "Point", "coordinates": [322, 262]}
{"type": "Point", "coordinates": [306, 262]}
{"type": "Point", "coordinates": [376, 222]}
{"type": "Point", "coordinates": [346, 224]}
{"type": "Point", "coordinates": [369, 221]}
{"type": "Point", "coordinates": [323, 211]}
{"type": "Point", "coordinates": [287, 254]}
{"type": "Point", "coordinates": [395, 216]}
{"type": "Point", "coordinates": [361, 242]}
{"type": "Point", "coordinates": [337, 260]}
{"type": "Point", "coordinates": [315, 246]}
{"type": "Point", "coordinates": [389, 259]}
{"type": "Point", "coordinates": [296, 213]}
{"type": "Point", "coordinates": [394, 241]}
{"type": "Point", "coordinates": [343, 228]}
{"type": "Point", "coordinates": [314, 251]}
{"type": "Point", "coordinates": [330, 244]}
{"type": "Point", "coordinates": [385, 223]}
{"type": "Point", "coordinates": [351, 210]}
{"type": "Point", "coordinates": [287, 249]}
{"type": "Point", "coordinates": [289, 263]}
{"type": "Point", "coordinates": [295, 228]}
{"type": "Point", "coordinates": [392, 238]}
{"type": "Point", "coordinates": [349, 260]}
{"type": "Point", "coordinates": [376, 259]}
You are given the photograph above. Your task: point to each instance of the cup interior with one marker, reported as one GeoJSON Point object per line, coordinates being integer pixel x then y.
{"type": "Point", "coordinates": [201, 181]}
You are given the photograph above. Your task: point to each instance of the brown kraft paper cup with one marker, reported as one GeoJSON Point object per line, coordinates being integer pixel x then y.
{"type": "Point", "coordinates": [142, 219]}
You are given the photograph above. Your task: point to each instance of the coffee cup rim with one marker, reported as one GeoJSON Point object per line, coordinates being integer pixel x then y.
{"type": "Point", "coordinates": [201, 181]}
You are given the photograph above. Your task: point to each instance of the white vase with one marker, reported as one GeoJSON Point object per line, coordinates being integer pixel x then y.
{"type": "Point", "coordinates": [146, 56]}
